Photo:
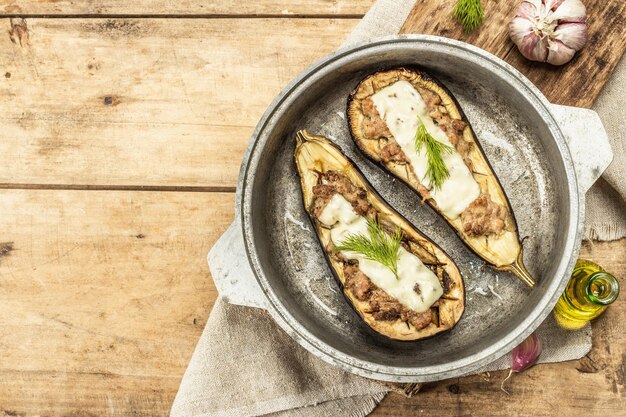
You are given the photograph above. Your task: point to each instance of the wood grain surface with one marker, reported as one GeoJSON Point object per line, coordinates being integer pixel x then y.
{"type": "Point", "coordinates": [576, 84]}
{"type": "Point", "coordinates": [103, 295]}
{"type": "Point", "coordinates": [120, 145]}
{"type": "Point", "coordinates": [314, 8]}
{"type": "Point", "coordinates": [164, 102]}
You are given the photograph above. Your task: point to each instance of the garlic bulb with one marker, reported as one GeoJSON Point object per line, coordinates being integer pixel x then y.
{"type": "Point", "coordinates": [549, 30]}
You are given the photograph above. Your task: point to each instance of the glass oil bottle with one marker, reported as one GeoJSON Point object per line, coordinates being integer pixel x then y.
{"type": "Point", "coordinates": [590, 290]}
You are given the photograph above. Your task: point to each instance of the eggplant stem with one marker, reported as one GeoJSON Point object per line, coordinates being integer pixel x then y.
{"type": "Point", "coordinates": [301, 137]}
{"type": "Point", "coordinates": [520, 271]}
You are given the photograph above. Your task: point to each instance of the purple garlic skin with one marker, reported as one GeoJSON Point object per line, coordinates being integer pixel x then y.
{"type": "Point", "coordinates": [549, 30]}
{"type": "Point", "coordinates": [526, 353]}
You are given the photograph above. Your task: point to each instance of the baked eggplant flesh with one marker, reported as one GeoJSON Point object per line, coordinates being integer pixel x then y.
{"type": "Point", "coordinates": [410, 124]}
{"type": "Point", "coordinates": [418, 297]}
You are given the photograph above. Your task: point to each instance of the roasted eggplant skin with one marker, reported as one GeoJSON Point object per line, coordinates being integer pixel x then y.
{"type": "Point", "coordinates": [507, 252]}
{"type": "Point", "coordinates": [452, 302]}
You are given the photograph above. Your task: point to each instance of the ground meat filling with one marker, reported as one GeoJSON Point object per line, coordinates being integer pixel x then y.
{"type": "Point", "coordinates": [393, 153]}
{"type": "Point", "coordinates": [382, 306]}
{"type": "Point", "coordinates": [483, 217]}
{"type": "Point", "coordinates": [332, 182]}
{"type": "Point", "coordinates": [374, 127]}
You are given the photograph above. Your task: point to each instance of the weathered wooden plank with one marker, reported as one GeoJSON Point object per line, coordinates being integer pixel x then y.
{"type": "Point", "coordinates": [148, 101]}
{"type": "Point", "coordinates": [103, 296]}
{"type": "Point", "coordinates": [577, 83]}
{"type": "Point", "coordinates": [85, 394]}
{"type": "Point", "coordinates": [593, 386]}
{"type": "Point", "coordinates": [185, 7]}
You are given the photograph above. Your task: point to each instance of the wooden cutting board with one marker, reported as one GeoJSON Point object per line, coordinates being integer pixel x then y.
{"type": "Point", "coordinates": [576, 83]}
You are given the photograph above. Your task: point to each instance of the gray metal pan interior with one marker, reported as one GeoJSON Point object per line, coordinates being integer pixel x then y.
{"type": "Point", "coordinates": [524, 145]}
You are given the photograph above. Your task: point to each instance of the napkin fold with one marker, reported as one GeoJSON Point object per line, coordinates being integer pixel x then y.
{"type": "Point", "coordinates": [245, 365]}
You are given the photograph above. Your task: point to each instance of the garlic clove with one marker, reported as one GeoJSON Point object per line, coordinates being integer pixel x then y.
{"type": "Point", "coordinates": [524, 356]}
{"type": "Point", "coordinates": [570, 10]}
{"type": "Point", "coordinates": [552, 5]}
{"type": "Point", "coordinates": [572, 20]}
{"type": "Point", "coordinates": [548, 4]}
{"type": "Point", "coordinates": [573, 35]}
{"type": "Point", "coordinates": [528, 10]}
{"type": "Point", "coordinates": [526, 353]}
{"type": "Point", "coordinates": [518, 28]}
{"type": "Point", "coordinates": [534, 47]}
{"type": "Point", "coordinates": [559, 53]}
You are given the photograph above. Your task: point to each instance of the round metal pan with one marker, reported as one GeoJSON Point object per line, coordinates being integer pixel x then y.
{"type": "Point", "coordinates": [521, 140]}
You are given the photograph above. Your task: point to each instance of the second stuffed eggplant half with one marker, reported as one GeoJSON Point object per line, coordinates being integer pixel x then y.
{"type": "Point", "coordinates": [402, 284]}
{"type": "Point", "coordinates": [408, 122]}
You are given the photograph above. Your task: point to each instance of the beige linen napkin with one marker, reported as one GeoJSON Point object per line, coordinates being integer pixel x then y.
{"type": "Point", "coordinates": [245, 365]}
{"type": "Point", "coordinates": [606, 201]}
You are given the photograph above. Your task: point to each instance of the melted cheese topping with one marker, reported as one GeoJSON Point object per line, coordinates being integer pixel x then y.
{"type": "Point", "coordinates": [339, 214]}
{"type": "Point", "coordinates": [399, 105]}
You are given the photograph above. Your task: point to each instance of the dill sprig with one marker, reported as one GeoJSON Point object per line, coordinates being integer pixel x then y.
{"type": "Point", "coordinates": [437, 171]}
{"type": "Point", "coordinates": [469, 13]}
{"type": "Point", "coordinates": [376, 246]}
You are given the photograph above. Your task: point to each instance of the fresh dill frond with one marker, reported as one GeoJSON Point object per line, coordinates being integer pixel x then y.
{"type": "Point", "coordinates": [437, 171]}
{"type": "Point", "coordinates": [377, 245]}
{"type": "Point", "coordinates": [469, 13]}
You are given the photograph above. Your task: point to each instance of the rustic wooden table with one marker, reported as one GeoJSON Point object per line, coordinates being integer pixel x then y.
{"type": "Point", "coordinates": [123, 126]}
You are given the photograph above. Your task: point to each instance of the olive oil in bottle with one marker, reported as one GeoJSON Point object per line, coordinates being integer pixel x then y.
{"type": "Point", "coordinates": [590, 290]}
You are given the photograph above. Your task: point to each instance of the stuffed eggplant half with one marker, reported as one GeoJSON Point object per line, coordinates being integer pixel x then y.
{"type": "Point", "coordinates": [409, 123]}
{"type": "Point", "coordinates": [403, 285]}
